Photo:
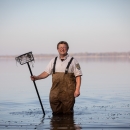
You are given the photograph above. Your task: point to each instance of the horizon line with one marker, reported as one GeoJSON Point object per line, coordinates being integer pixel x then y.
{"type": "Point", "coordinates": [70, 53]}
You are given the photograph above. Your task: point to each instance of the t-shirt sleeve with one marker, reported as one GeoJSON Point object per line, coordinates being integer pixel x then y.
{"type": "Point", "coordinates": [49, 67]}
{"type": "Point", "coordinates": [77, 68]}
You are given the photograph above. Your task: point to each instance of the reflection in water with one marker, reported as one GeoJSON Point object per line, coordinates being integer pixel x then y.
{"type": "Point", "coordinates": [63, 122]}
{"type": "Point", "coordinates": [58, 122]}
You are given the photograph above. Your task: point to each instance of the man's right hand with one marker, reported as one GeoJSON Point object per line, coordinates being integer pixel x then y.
{"type": "Point", "coordinates": [41, 76]}
{"type": "Point", "coordinates": [33, 78]}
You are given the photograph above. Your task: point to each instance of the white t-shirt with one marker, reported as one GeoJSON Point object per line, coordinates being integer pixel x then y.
{"type": "Point", "coordinates": [61, 66]}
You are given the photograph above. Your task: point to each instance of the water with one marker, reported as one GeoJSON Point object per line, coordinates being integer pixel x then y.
{"type": "Point", "coordinates": [104, 102]}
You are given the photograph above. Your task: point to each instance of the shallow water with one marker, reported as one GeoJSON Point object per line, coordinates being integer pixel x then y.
{"type": "Point", "coordinates": [104, 102]}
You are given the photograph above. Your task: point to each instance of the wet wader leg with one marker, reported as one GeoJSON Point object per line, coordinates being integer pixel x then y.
{"type": "Point", "coordinates": [56, 107]}
{"type": "Point", "coordinates": [55, 104]}
{"type": "Point", "coordinates": [68, 107]}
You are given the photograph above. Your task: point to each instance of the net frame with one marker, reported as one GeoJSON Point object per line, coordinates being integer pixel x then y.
{"type": "Point", "coordinates": [25, 58]}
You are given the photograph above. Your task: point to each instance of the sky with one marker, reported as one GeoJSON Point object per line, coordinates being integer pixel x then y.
{"type": "Point", "coordinates": [87, 26]}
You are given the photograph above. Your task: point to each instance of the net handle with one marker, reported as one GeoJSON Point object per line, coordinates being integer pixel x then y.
{"type": "Point", "coordinates": [36, 89]}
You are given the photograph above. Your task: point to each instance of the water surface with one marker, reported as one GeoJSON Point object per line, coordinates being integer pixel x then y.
{"type": "Point", "coordinates": [104, 102]}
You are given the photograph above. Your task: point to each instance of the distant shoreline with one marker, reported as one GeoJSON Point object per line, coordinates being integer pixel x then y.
{"type": "Point", "coordinates": [86, 55]}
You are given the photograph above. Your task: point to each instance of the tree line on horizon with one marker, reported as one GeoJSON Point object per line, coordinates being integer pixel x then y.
{"type": "Point", "coordinates": [81, 55]}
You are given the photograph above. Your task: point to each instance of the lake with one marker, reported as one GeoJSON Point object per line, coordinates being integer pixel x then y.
{"type": "Point", "coordinates": [104, 102]}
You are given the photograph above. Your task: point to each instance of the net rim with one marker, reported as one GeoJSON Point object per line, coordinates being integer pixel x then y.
{"type": "Point", "coordinates": [24, 54]}
{"type": "Point", "coordinates": [17, 58]}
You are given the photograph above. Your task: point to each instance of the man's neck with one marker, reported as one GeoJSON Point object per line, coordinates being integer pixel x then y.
{"type": "Point", "coordinates": [63, 56]}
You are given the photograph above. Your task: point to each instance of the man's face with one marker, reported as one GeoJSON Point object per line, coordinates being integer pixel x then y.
{"type": "Point", "coordinates": [62, 49]}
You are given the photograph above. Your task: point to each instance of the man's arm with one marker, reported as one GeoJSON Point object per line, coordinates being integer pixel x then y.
{"type": "Point", "coordinates": [78, 84]}
{"type": "Point", "coordinates": [41, 76]}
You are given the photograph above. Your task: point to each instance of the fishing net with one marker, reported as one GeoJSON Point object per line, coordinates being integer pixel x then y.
{"type": "Point", "coordinates": [23, 59]}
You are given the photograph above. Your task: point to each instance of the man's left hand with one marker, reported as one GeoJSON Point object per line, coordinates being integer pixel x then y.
{"type": "Point", "coordinates": [76, 93]}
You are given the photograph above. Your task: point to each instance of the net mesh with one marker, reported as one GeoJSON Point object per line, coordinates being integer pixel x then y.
{"type": "Point", "coordinates": [23, 59]}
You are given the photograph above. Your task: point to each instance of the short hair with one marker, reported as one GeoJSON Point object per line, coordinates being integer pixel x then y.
{"type": "Point", "coordinates": [63, 42]}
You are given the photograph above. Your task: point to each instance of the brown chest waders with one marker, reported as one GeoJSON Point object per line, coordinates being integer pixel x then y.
{"type": "Point", "coordinates": [62, 92]}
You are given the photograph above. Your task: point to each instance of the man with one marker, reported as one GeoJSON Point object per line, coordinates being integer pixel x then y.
{"type": "Point", "coordinates": [66, 80]}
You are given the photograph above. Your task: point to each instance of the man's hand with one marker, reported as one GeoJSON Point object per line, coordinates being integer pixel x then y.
{"type": "Point", "coordinates": [76, 93]}
{"type": "Point", "coordinates": [33, 78]}
{"type": "Point", "coordinates": [78, 83]}
{"type": "Point", "coordinates": [41, 76]}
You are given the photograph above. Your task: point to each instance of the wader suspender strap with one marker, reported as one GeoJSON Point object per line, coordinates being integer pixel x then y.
{"type": "Point", "coordinates": [54, 65]}
{"type": "Point", "coordinates": [66, 70]}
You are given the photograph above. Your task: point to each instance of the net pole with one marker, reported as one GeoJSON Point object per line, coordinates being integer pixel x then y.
{"type": "Point", "coordinates": [36, 89]}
